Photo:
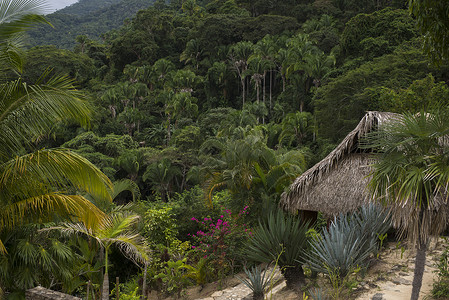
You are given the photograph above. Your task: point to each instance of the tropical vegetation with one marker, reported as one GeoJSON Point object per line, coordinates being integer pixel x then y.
{"type": "Point", "coordinates": [166, 135]}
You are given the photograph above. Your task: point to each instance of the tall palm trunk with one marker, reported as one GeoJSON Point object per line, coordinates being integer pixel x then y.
{"type": "Point", "coordinates": [144, 284]}
{"type": "Point", "coordinates": [271, 86]}
{"type": "Point", "coordinates": [105, 289]}
{"type": "Point", "coordinates": [243, 91]}
{"type": "Point", "coordinates": [420, 263]}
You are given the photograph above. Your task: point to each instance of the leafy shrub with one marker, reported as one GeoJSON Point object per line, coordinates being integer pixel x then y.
{"type": "Point", "coordinates": [127, 291]}
{"type": "Point", "coordinates": [441, 286]}
{"type": "Point", "coordinates": [201, 272]}
{"type": "Point", "coordinates": [174, 276]}
{"type": "Point", "coordinates": [282, 238]}
{"type": "Point", "coordinates": [220, 241]}
{"type": "Point", "coordinates": [187, 204]}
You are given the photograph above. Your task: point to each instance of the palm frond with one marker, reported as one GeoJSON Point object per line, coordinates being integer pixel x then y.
{"type": "Point", "coordinates": [132, 245]}
{"type": "Point", "coordinates": [39, 172]}
{"type": "Point", "coordinates": [28, 111]}
{"type": "Point", "coordinates": [2, 248]}
{"type": "Point", "coordinates": [126, 185]}
{"type": "Point", "coordinates": [47, 205]}
{"type": "Point", "coordinates": [17, 16]}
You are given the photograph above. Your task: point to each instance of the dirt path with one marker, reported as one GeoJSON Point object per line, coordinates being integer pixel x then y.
{"type": "Point", "coordinates": [392, 280]}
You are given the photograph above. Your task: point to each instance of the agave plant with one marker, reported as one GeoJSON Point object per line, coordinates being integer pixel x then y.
{"type": "Point", "coordinates": [318, 294]}
{"type": "Point", "coordinates": [283, 239]}
{"type": "Point", "coordinates": [257, 281]}
{"type": "Point", "coordinates": [349, 241]}
{"type": "Point", "coordinates": [371, 221]}
{"type": "Point", "coordinates": [340, 249]}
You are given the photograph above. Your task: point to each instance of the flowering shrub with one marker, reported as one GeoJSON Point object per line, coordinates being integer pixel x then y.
{"type": "Point", "coordinates": [220, 241]}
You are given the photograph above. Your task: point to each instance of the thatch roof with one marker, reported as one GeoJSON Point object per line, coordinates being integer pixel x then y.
{"type": "Point", "coordinates": [337, 184]}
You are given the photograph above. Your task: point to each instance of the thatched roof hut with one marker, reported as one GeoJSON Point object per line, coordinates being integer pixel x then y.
{"type": "Point", "coordinates": [337, 184]}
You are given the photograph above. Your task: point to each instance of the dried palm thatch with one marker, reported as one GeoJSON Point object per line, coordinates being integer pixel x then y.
{"type": "Point", "coordinates": [337, 184]}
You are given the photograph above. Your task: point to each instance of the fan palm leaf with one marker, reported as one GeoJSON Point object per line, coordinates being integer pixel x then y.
{"type": "Point", "coordinates": [411, 175]}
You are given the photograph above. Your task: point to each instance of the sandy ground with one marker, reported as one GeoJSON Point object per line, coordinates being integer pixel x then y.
{"type": "Point", "coordinates": [393, 279]}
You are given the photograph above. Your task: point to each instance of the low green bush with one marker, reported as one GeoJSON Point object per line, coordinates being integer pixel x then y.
{"type": "Point", "coordinates": [441, 285]}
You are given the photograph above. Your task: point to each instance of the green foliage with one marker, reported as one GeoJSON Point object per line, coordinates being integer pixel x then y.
{"type": "Point", "coordinates": [441, 284]}
{"type": "Point", "coordinates": [221, 241]}
{"type": "Point", "coordinates": [434, 25]}
{"type": "Point", "coordinates": [201, 272]}
{"type": "Point", "coordinates": [174, 276]}
{"type": "Point", "coordinates": [378, 33]}
{"type": "Point", "coordinates": [341, 103]}
{"type": "Point", "coordinates": [91, 18]}
{"type": "Point", "coordinates": [423, 94]}
{"type": "Point", "coordinates": [160, 226]}
{"type": "Point", "coordinates": [296, 128]}
{"type": "Point", "coordinates": [279, 236]}
{"type": "Point", "coordinates": [128, 291]}
{"type": "Point", "coordinates": [29, 251]}
{"type": "Point", "coordinates": [61, 62]}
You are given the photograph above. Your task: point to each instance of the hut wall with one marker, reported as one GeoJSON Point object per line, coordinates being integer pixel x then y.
{"type": "Point", "coordinates": [342, 189]}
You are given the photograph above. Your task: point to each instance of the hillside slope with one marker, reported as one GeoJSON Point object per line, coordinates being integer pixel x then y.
{"type": "Point", "coordinates": [87, 17]}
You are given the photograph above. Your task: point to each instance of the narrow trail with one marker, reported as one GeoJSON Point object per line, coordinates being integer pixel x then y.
{"type": "Point", "coordinates": [394, 278]}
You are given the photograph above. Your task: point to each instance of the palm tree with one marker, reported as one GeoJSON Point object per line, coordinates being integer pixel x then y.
{"type": "Point", "coordinates": [32, 186]}
{"type": "Point", "coordinates": [30, 252]}
{"type": "Point", "coordinates": [192, 53]}
{"type": "Point", "coordinates": [411, 175]}
{"type": "Point", "coordinates": [239, 55]}
{"type": "Point", "coordinates": [296, 127]}
{"type": "Point", "coordinates": [161, 175]}
{"type": "Point", "coordinates": [116, 230]}
{"type": "Point", "coordinates": [247, 167]}
{"type": "Point", "coordinates": [318, 66]}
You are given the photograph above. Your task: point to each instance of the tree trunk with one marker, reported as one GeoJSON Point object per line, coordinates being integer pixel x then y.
{"type": "Point", "coordinates": [420, 263]}
{"type": "Point", "coordinates": [88, 290]}
{"type": "Point", "coordinates": [105, 290]}
{"type": "Point", "coordinates": [243, 91]}
{"type": "Point", "coordinates": [168, 129]}
{"type": "Point", "coordinates": [144, 284]}
{"type": "Point", "coordinates": [117, 288]}
{"type": "Point", "coordinates": [264, 84]}
{"type": "Point", "coordinates": [283, 83]}
{"type": "Point", "coordinates": [271, 87]}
